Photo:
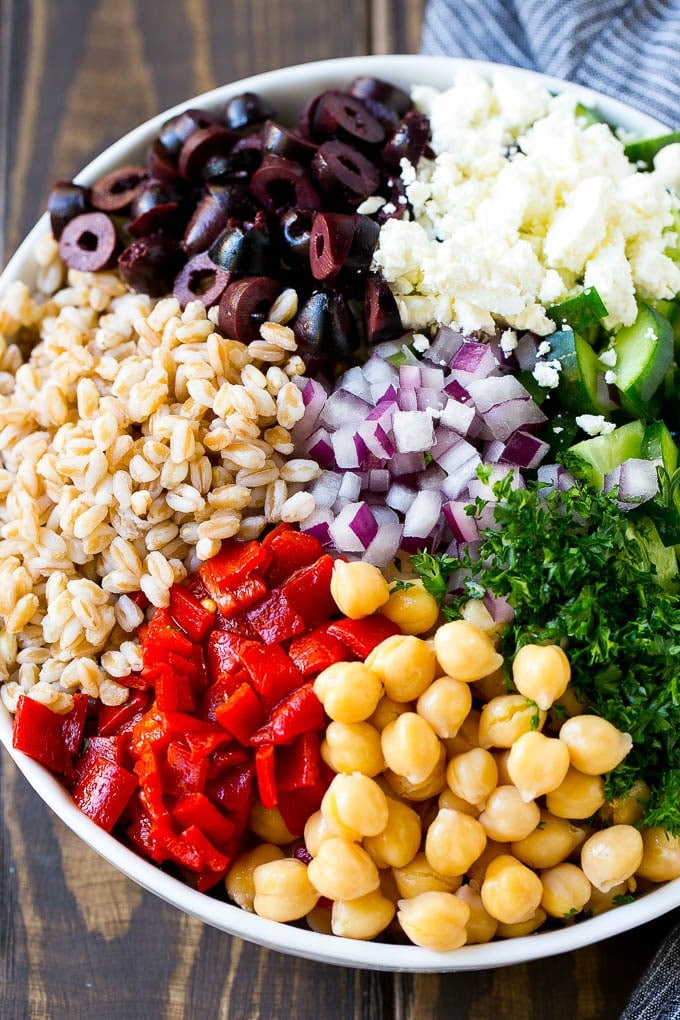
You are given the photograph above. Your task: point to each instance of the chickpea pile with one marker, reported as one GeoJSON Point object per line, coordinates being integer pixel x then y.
{"type": "Point", "coordinates": [459, 812]}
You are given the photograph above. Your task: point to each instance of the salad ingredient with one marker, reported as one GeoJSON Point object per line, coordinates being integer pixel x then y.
{"type": "Point", "coordinates": [660, 855]}
{"type": "Point", "coordinates": [510, 892]}
{"type": "Point", "coordinates": [342, 870]}
{"type": "Point", "coordinates": [595, 746]}
{"type": "Point", "coordinates": [283, 891]}
{"type": "Point", "coordinates": [435, 920]}
{"type": "Point", "coordinates": [465, 652]}
{"type": "Point", "coordinates": [348, 691]}
{"type": "Point", "coordinates": [611, 856]}
{"type": "Point", "coordinates": [362, 918]}
{"type": "Point", "coordinates": [358, 589]}
{"type": "Point", "coordinates": [541, 673]}
{"type": "Point", "coordinates": [537, 764]}
{"type": "Point", "coordinates": [405, 666]}
{"type": "Point", "coordinates": [566, 890]}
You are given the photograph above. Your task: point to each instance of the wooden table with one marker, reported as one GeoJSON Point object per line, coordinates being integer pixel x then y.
{"type": "Point", "coordinates": [76, 938]}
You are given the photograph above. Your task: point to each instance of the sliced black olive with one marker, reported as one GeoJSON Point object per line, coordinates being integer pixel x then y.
{"type": "Point", "coordinates": [245, 250]}
{"type": "Point", "coordinates": [339, 115]}
{"type": "Point", "coordinates": [381, 315]}
{"type": "Point", "coordinates": [344, 173]}
{"type": "Point", "coordinates": [386, 102]}
{"type": "Point", "coordinates": [150, 264]}
{"type": "Point", "coordinates": [409, 141]}
{"type": "Point", "coordinates": [281, 184]}
{"type": "Point", "coordinates": [155, 207]}
{"type": "Point", "coordinates": [325, 328]}
{"type": "Point", "coordinates": [296, 225]}
{"type": "Point", "coordinates": [200, 279]}
{"type": "Point", "coordinates": [245, 305]}
{"type": "Point", "coordinates": [201, 146]}
{"type": "Point", "coordinates": [88, 242]}
{"type": "Point", "coordinates": [289, 144]}
{"type": "Point", "coordinates": [66, 201]}
{"type": "Point", "coordinates": [247, 109]}
{"type": "Point", "coordinates": [175, 131]}
{"type": "Point", "coordinates": [115, 191]}
{"type": "Point", "coordinates": [341, 243]}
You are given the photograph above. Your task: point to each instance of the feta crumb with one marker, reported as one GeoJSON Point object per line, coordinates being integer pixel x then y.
{"type": "Point", "coordinates": [420, 342]}
{"type": "Point", "coordinates": [608, 357]}
{"type": "Point", "coordinates": [557, 429]}
{"type": "Point", "coordinates": [389, 208]}
{"type": "Point", "coordinates": [371, 205]}
{"type": "Point", "coordinates": [543, 349]}
{"type": "Point", "coordinates": [595, 424]}
{"type": "Point", "coordinates": [610, 377]}
{"type": "Point", "coordinates": [547, 374]}
{"type": "Point", "coordinates": [508, 341]}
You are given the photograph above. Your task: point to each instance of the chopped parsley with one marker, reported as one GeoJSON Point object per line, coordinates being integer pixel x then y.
{"type": "Point", "coordinates": [434, 571]}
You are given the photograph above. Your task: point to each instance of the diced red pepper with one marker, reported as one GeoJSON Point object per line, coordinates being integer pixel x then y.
{"type": "Point", "coordinates": [143, 835]}
{"type": "Point", "coordinates": [218, 693]}
{"type": "Point", "coordinates": [110, 718]}
{"type": "Point", "coordinates": [273, 673]}
{"type": "Point", "coordinates": [228, 758]}
{"type": "Point", "coordinates": [233, 789]}
{"type": "Point", "coordinates": [274, 619]}
{"type": "Point", "coordinates": [200, 680]}
{"type": "Point", "coordinates": [151, 791]}
{"type": "Point", "coordinates": [73, 724]}
{"type": "Point", "coordinates": [297, 713]}
{"type": "Point", "coordinates": [223, 653]}
{"type": "Point", "coordinates": [108, 747]}
{"type": "Point", "coordinates": [213, 860]}
{"type": "Point", "coordinates": [159, 636]}
{"type": "Point", "coordinates": [202, 745]}
{"type": "Point", "coordinates": [103, 790]}
{"type": "Point", "coordinates": [181, 773]}
{"type": "Point", "coordinates": [173, 691]}
{"type": "Point", "coordinates": [313, 652]}
{"type": "Point", "coordinates": [233, 601]}
{"type": "Point", "coordinates": [296, 806]}
{"type": "Point", "coordinates": [362, 636]}
{"type": "Point", "coordinates": [137, 681]}
{"type": "Point", "coordinates": [265, 770]}
{"type": "Point", "coordinates": [196, 809]}
{"type": "Point", "coordinates": [298, 764]}
{"type": "Point", "coordinates": [183, 853]}
{"type": "Point", "coordinates": [234, 563]}
{"type": "Point", "coordinates": [309, 591]}
{"type": "Point", "coordinates": [290, 550]}
{"type": "Point", "coordinates": [241, 714]}
{"type": "Point", "coordinates": [39, 733]}
{"type": "Point", "coordinates": [187, 612]}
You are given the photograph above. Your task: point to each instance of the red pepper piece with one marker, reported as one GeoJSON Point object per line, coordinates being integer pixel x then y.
{"type": "Point", "coordinates": [300, 711]}
{"type": "Point", "coordinates": [237, 624]}
{"type": "Point", "coordinates": [181, 773]}
{"type": "Point", "coordinates": [200, 679]}
{"type": "Point", "coordinates": [173, 692]}
{"type": "Point", "coordinates": [103, 790]}
{"type": "Point", "coordinates": [362, 636]}
{"type": "Point", "coordinates": [108, 747]}
{"type": "Point", "coordinates": [202, 745]}
{"type": "Point", "coordinates": [73, 723]}
{"type": "Point", "coordinates": [160, 635]}
{"type": "Point", "coordinates": [265, 771]}
{"type": "Point", "coordinates": [226, 759]}
{"type": "Point", "coordinates": [234, 601]}
{"type": "Point", "coordinates": [195, 809]}
{"type": "Point", "coordinates": [313, 652]}
{"type": "Point", "coordinates": [273, 673]}
{"type": "Point", "coordinates": [298, 764]}
{"type": "Point", "coordinates": [213, 860]}
{"type": "Point", "coordinates": [182, 852]}
{"type": "Point", "coordinates": [187, 612]}
{"type": "Point", "coordinates": [151, 792]}
{"type": "Point", "coordinates": [274, 619]}
{"type": "Point", "coordinates": [296, 806]}
{"type": "Point", "coordinates": [233, 790]}
{"type": "Point", "coordinates": [110, 718]}
{"type": "Point", "coordinates": [309, 592]}
{"type": "Point", "coordinates": [137, 681]}
{"type": "Point", "coordinates": [218, 693]}
{"type": "Point", "coordinates": [241, 714]}
{"type": "Point", "coordinates": [144, 837]}
{"type": "Point", "coordinates": [235, 563]}
{"type": "Point", "coordinates": [39, 733]}
{"type": "Point", "coordinates": [223, 653]}
{"type": "Point", "coordinates": [290, 550]}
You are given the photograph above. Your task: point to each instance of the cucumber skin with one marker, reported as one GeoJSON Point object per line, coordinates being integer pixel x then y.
{"type": "Point", "coordinates": [602, 453]}
{"type": "Point", "coordinates": [639, 390]}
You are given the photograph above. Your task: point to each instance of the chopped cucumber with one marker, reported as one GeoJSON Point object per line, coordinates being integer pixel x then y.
{"type": "Point", "coordinates": [587, 114]}
{"type": "Point", "coordinates": [603, 453]}
{"type": "Point", "coordinates": [581, 389]}
{"type": "Point", "coordinates": [644, 353]}
{"type": "Point", "coordinates": [659, 445]}
{"type": "Point", "coordinates": [580, 311]}
{"type": "Point", "coordinates": [645, 149]}
{"type": "Point", "coordinates": [662, 558]}
{"type": "Point", "coordinates": [560, 431]}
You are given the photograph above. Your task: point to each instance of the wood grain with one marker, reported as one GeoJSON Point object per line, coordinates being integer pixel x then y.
{"type": "Point", "coordinates": [77, 939]}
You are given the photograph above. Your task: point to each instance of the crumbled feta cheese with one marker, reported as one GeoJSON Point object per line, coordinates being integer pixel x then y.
{"type": "Point", "coordinates": [547, 374]}
{"type": "Point", "coordinates": [371, 205]}
{"type": "Point", "coordinates": [420, 342]}
{"type": "Point", "coordinates": [595, 424]}
{"type": "Point", "coordinates": [508, 341]}
{"type": "Point", "coordinates": [667, 166]}
{"type": "Point", "coordinates": [608, 357]}
{"type": "Point", "coordinates": [543, 349]}
{"type": "Point", "coordinates": [610, 377]}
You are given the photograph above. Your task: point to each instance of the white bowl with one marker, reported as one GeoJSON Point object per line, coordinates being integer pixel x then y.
{"type": "Point", "coordinates": [288, 88]}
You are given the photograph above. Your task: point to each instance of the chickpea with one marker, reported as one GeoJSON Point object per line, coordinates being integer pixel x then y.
{"type": "Point", "coordinates": [411, 747]}
{"type": "Point", "coordinates": [268, 824]}
{"type": "Point", "coordinates": [465, 652]}
{"type": "Point", "coordinates": [431, 786]}
{"type": "Point", "coordinates": [386, 711]}
{"type": "Point", "coordinates": [522, 928]}
{"type": "Point", "coordinates": [317, 828]}
{"type": "Point", "coordinates": [611, 856]}
{"type": "Point", "coordinates": [445, 705]}
{"type": "Point", "coordinates": [400, 838]}
{"type": "Point", "coordinates": [477, 869]}
{"type": "Point", "coordinates": [467, 736]}
{"type": "Point", "coordinates": [358, 588]}
{"type": "Point", "coordinates": [491, 686]}
{"type": "Point", "coordinates": [363, 917]}
{"type": "Point", "coordinates": [319, 919]}
{"type": "Point", "coordinates": [511, 892]}
{"type": "Point", "coordinates": [504, 719]}
{"type": "Point", "coordinates": [419, 876]}
{"type": "Point", "coordinates": [342, 870]}
{"type": "Point", "coordinates": [453, 842]}
{"type": "Point", "coordinates": [577, 796]}
{"type": "Point", "coordinates": [353, 747]}
{"type": "Point", "coordinates": [355, 806]}
{"type": "Point", "coordinates": [595, 746]}
{"type": "Point", "coordinates": [551, 842]}
{"type": "Point", "coordinates": [660, 855]}
{"type": "Point", "coordinates": [405, 664]}
{"type": "Point", "coordinates": [537, 764]}
{"type": "Point", "coordinates": [239, 881]}
{"type": "Point", "coordinates": [413, 609]}
{"type": "Point", "coordinates": [600, 902]}
{"type": "Point", "coordinates": [283, 891]}
{"type": "Point", "coordinates": [507, 817]}
{"type": "Point", "coordinates": [434, 920]}
{"type": "Point", "coordinates": [474, 611]}
{"type": "Point", "coordinates": [541, 673]}
{"type": "Point", "coordinates": [629, 809]}
{"type": "Point", "coordinates": [481, 926]}
{"type": "Point", "coordinates": [472, 775]}
{"type": "Point", "coordinates": [566, 890]}
{"type": "Point", "coordinates": [564, 708]}
{"type": "Point", "coordinates": [449, 799]}
{"type": "Point", "coordinates": [348, 691]}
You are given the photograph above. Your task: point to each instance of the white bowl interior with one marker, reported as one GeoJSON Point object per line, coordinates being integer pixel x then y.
{"type": "Point", "coordinates": [288, 88]}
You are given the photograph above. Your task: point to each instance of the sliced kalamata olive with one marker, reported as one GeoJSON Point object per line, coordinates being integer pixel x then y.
{"type": "Point", "coordinates": [245, 250]}
{"type": "Point", "coordinates": [155, 207]}
{"type": "Point", "coordinates": [175, 131]}
{"type": "Point", "coordinates": [245, 305]}
{"type": "Point", "coordinates": [409, 141]}
{"type": "Point", "coordinates": [88, 242]}
{"type": "Point", "coordinates": [325, 328]}
{"type": "Point", "coordinates": [282, 142]}
{"type": "Point", "coordinates": [160, 163]}
{"type": "Point", "coordinates": [150, 264]}
{"type": "Point", "coordinates": [387, 103]}
{"type": "Point", "coordinates": [207, 222]}
{"type": "Point", "coordinates": [280, 184]}
{"type": "Point", "coordinates": [296, 226]}
{"type": "Point", "coordinates": [381, 315]}
{"type": "Point", "coordinates": [200, 279]}
{"type": "Point", "coordinates": [200, 146]}
{"type": "Point", "coordinates": [341, 243]}
{"type": "Point", "coordinates": [238, 164]}
{"type": "Point", "coordinates": [247, 109]}
{"type": "Point", "coordinates": [344, 173]}
{"type": "Point", "coordinates": [306, 118]}
{"type": "Point", "coordinates": [339, 115]}
{"type": "Point", "coordinates": [66, 201]}
{"type": "Point", "coordinates": [115, 191]}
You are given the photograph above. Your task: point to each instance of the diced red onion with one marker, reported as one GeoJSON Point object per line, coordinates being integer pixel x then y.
{"type": "Point", "coordinates": [484, 490]}
{"type": "Point", "coordinates": [400, 496]}
{"type": "Point", "coordinates": [407, 399]}
{"type": "Point", "coordinates": [473, 360]}
{"type": "Point", "coordinates": [457, 415]}
{"type": "Point", "coordinates": [636, 480]}
{"type": "Point", "coordinates": [525, 450]}
{"type": "Point", "coordinates": [463, 526]}
{"type": "Point", "coordinates": [426, 397]}
{"type": "Point", "coordinates": [354, 528]}
{"type": "Point", "coordinates": [407, 464]}
{"type": "Point", "coordinates": [503, 419]}
{"type": "Point", "coordinates": [410, 377]}
{"type": "Point", "coordinates": [413, 431]}
{"type": "Point", "coordinates": [350, 488]}
{"type": "Point", "coordinates": [376, 439]}
{"type": "Point", "coordinates": [325, 488]}
{"type": "Point", "coordinates": [444, 346]}
{"type": "Point", "coordinates": [343, 408]}
{"type": "Point", "coordinates": [318, 524]}
{"type": "Point", "coordinates": [354, 381]}
{"type": "Point", "coordinates": [526, 351]}
{"type": "Point", "coordinates": [319, 446]}
{"type": "Point", "coordinates": [378, 480]}
{"type": "Point", "coordinates": [423, 514]}
{"type": "Point", "coordinates": [385, 545]}
{"type": "Point", "coordinates": [499, 607]}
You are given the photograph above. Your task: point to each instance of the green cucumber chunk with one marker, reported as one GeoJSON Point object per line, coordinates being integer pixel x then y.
{"type": "Point", "coordinates": [645, 149]}
{"type": "Point", "coordinates": [603, 453]}
{"type": "Point", "coordinates": [580, 311]}
{"type": "Point", "coordinates": [644, 353]}
{"type": "Point", "coordinates": [658, 445]}
{"type": "Point", "coordinates": [581, 388]}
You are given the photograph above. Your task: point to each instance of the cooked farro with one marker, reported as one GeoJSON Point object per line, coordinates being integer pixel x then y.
{"type": "Point", "coordinates": [133, 439]}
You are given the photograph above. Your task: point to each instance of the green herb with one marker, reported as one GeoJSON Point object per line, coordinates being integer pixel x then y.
{"type": "Point", "coordinates": [622, 898]}
{"type": "Point", "coordinates": [400, 585]}
{"type": "Point", "coordinates": [578, 570]}
{"type": "Point", "coordinates": [570, 914]}
{"type": "Point", "coordinates": [428, 458]}
{"type": "Point", "coordinates": [434, 571]}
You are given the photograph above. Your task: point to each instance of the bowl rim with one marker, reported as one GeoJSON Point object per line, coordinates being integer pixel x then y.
{"type": "Point", "coordinates": [300, 81]}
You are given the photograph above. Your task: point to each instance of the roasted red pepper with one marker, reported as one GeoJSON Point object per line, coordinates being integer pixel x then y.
{"type": "Point", "coordinates": [314, 651]}
{"type": "Point", "coordinates": [297, 713]}
{"type": "Point", "coordinates": [289, 551]}
{"type": "Point", "coordinates": [40, 733]}
{"type": "Point", "coordinates": [362, 636]}
{"type": "Point", "coordinates": [265, 771]}
{"type": "Point", "coordinates": [196, 809]}
{"type": "Point", "coordinates": [273, 673]}
{"type": "Point", "coordinates": [103, 791]}
{"type": "Point", "coordinates": [187, 612]}
{"type": "Point", "coordinates": [241, 714]}
{"type": "Point", "coordinates": [309, 591]}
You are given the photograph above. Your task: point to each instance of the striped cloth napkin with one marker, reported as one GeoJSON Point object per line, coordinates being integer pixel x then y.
{"type": "Point", "coordinates": [628, 49]}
